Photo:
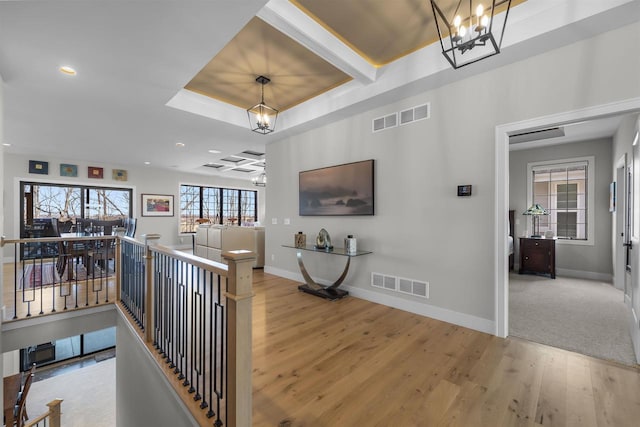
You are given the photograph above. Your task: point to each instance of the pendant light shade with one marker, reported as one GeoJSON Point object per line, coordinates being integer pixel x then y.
{"type": "Point", "coordinates": [470, 30]}
{"type": "Point", "coordinates": [262, 118]}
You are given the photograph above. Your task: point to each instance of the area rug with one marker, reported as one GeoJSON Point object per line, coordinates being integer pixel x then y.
{"type": "Point", "coordinates": [37, 275]}
{"type": "Point", "coordinates": [585, 316]}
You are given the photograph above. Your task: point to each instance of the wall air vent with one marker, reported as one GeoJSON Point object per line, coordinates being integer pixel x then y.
{"type": "Point", "coordinates": [400, 284]}
{"type": "Point", "coordinates": [386, 122]}
{"type": "Point", "coordinates": [536, 135]}
{"type": "Point", "coordinates": [421, 112]}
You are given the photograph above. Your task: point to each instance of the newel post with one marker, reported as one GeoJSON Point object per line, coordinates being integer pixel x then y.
{"type": "Point", "coordinates": [239, 294]}
{"type": "Point", "coordinates": [118, 268]}
{"type": "Point", "coordinates": [54, 412]}
{"type": "Point", "coordinates": [149, 321]}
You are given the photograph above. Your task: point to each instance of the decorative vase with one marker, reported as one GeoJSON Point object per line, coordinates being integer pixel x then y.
{"type": "Point", "coordinates": [300, 240]}
{"type": "Point", "coordinates": [350, 245]}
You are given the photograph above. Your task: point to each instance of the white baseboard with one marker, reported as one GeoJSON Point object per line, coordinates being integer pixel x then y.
{"type": "Point", "coordinates": [589, 275]}
{"type": "Point", "coordinates": [634, 328]}
{"type": "Point", "coordinates": [422, 309]}
{"type": "Point", "coordinates": [579, 274]}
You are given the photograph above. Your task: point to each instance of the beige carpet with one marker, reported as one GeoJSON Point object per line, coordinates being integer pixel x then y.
{"type": "Point", "coordinates": [585, 316]}
{"type": "Point", "coordinates": [89, 395]}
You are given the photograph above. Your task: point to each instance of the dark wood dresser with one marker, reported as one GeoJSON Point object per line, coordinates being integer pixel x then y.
{"type": "Point", "coordinates": [538, 256]}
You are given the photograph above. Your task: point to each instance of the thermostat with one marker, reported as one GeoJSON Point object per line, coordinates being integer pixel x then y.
{"type": "Point", "coordinates": [464, 190]}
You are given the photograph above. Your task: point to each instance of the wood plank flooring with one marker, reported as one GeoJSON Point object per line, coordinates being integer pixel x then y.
{"type": "Point", "coordinates": [42, 300]}
{"type": "Point", "coordinates": [356, 363]}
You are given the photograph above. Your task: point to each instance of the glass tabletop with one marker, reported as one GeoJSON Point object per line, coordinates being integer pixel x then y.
{"type": "Point", "coordinates": [334, 250]}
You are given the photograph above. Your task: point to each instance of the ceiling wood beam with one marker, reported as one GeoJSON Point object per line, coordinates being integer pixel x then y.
{"type": "Point", "coordinates": [287, 18]}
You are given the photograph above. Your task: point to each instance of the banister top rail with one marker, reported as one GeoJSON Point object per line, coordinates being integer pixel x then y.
{"type": "Point", "coordinates": [216, 267]}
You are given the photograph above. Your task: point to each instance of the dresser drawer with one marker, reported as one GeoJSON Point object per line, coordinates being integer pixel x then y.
{"type": "Point", "coordinates": [537, 256]}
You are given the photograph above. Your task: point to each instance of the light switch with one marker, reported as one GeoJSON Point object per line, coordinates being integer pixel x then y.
{"type": "Point", "coordinates": [274, 221]}
{"type": "Point", "coordinates": [287, 221]}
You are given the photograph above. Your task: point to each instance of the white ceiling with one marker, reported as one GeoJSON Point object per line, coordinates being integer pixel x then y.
{"type": "Point", "coordinates": [127, 106]}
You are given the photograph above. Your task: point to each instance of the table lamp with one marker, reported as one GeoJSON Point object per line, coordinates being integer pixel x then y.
{"type": "Point", "coordinates": [536, 210]}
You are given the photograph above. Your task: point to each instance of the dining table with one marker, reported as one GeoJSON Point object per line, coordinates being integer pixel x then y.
{"type": "Point", "coordinates": [11, 387]}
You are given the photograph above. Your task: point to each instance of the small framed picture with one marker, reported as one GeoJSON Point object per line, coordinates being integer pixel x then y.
{"type": "Point", "coordinates": [157, 205]}
{"type": "Point", "coordinates": [68, 170]}
{"type": "Point", "coordinates": [119, 175]}
{"type": "Point", "coordinates": [95, 172]}
{"type": "Point", "coordinates": [36, 166]}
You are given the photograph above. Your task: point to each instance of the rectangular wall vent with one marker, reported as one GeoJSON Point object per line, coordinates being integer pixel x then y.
{"type": "Point", "coordinates": [378, 124]}
{"type": "Point", "coordinates": [386, 122]}
{"type": "Point", "coordinates": [416, 288]}
{"type": "Point", "coordinates": [420, 112]}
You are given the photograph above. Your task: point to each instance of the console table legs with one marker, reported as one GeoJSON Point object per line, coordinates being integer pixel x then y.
{"type": "Point", "coordinates": [331, 292]}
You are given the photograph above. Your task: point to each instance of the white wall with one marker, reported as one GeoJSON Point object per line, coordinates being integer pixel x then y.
{"type": "Point", "coordinates": [144, 396]}
{"type": "Point", "coordinates": [587, 261]}
{"type": "Point", "coordinates": [144, 180]}
{"type": "Point", "coordinates": [421, 230]}
{"type": "Point", "coordinates": [622, 143]}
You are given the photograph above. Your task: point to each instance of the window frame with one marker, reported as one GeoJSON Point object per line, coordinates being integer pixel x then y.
{"type": "Point", "coordinates": [590, 189]}
{"type": "Point", "coordinates": [220, 205]}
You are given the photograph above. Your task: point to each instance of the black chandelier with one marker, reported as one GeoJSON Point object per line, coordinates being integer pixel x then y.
{"type": "Point", "coordinates": [262, 118]}
{"type": "Point", "coordinates": [471, 35]}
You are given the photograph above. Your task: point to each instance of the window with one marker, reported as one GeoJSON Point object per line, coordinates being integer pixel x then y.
{"type": "Point", "coordinates": [218, 205]}
{"type": "Point", "coordinates": [565, 189]}
{"type": "Point", "coordinates": [43, 201]}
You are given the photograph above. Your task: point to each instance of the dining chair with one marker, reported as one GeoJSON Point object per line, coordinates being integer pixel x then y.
{"type": "Point", "coordinates": [130, 224]}
{"type": "Point", "coordinates": [20, 410]}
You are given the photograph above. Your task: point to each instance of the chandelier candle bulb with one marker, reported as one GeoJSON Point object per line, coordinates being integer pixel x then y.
{"type": "Point", "coordinates": [350, 245]}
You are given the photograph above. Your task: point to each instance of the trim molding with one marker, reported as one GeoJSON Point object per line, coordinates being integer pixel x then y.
{"type": "Point", "coordinates": [580, 274]}
{"type": "Point", "coordinates": [589, 275]}
{"type": "Point", "coordinates": [422, 309]}
{"type": "Point", "coordinates": [634, 329]}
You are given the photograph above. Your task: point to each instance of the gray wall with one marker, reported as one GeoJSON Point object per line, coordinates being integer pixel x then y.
{"type": "Point", "coordinates": [421, 230]}
{"type": "Point", "coordinates": [583, 258]}
{"type": "Point", "coordinates": [143, 395]}
{"type": "Point", "coordinates": [144, 180]}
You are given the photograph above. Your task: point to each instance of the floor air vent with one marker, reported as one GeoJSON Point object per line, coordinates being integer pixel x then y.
{"type": "Point", "coordinates": [400, 284]}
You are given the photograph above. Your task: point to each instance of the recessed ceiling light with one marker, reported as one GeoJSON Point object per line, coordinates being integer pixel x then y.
{"type": "Point", "coordinates": [215, 151]}
{"type": "Point", "coordinates": [147, 163]}
{"type": "Point", "coordinates": [6, 144]}
{"type": "Point", "coordinates": [69, 71]}
{"type": "Point", "coordinates": [179, 144]}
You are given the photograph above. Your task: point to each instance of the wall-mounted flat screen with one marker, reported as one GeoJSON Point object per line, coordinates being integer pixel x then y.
{"type": "Point", "coordinates": [338, 190]}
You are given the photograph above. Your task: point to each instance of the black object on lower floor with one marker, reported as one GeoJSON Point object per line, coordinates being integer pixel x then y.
{"type": "Point", "coordinates": [331, 294]}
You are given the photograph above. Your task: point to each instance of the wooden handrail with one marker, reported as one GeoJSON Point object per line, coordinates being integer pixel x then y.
{"type": "Point", "coordinates": [53, 414]}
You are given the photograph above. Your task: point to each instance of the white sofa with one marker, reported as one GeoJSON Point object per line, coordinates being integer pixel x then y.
{"type": "Point", "coordinates": [212, 240]}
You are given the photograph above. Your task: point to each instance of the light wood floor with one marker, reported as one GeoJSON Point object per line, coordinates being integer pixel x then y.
{"type": "Point", "coordinates": [44, 299]}
{"type": "Point", "coordinates": [355, 363]}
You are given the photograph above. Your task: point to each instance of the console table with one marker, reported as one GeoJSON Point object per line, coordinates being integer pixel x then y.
{"type": "Point", "coordinates": [311, 287]}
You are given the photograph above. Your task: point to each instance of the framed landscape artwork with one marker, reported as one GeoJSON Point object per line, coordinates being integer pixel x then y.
{"type": "Point", "coordinates": [338, 190]}
{"type": "Point", "coordinates": [157, 205]}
